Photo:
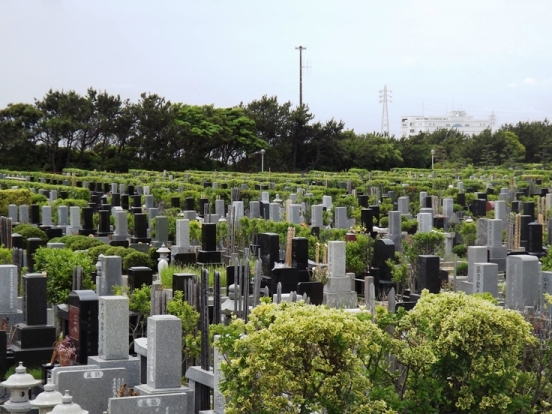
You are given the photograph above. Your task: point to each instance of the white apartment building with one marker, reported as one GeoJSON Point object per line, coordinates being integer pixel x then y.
{"type": "Point", "coordinates": [412, 125]}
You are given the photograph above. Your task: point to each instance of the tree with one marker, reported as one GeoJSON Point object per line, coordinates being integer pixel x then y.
{"type": "Point", "coordinates": [299, 358]}
{"type": "Point", "coordinates": [18, 124]}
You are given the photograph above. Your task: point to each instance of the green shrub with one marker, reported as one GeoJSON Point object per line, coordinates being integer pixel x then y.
{"type": "Point", "coordinates": [460, 250]}
{"type": "Point", "coordinates": [86, 243]}
{"type": "Point", "coordinates": [94, 252]}
{"type": "Point", "coordinates": [17, 197]}
{"type": "Point", "coordinates": [29, 231]}
{"type": "Point", "coordinates": [328, 361]}
{"type": "Point", "coordinates": [462, 269]}
{"type": "Point", "coordinates": [39, 199]}
{"type": "Point", "coordinates": [463, 354]}
{"type": "Point", "coordinates": [5, 256]}
{"type": "Point", "coordinates": [58, 265]}
{"type": "Point", "coordinates": [136, 258]}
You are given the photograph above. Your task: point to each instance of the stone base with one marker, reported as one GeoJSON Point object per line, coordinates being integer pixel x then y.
{"type": "Point", "coordinates": [466, 287]}
{"type": "Point", "coordinates": [145, 389]}
{"type": "Point", "coordinates": [34, 336]}
{"type": "Point", "coordinates": [32, 357]}
{"type": "Point", "coordinates": [346, 300]}
{"type": "Point", "coordinates": [132, 365]}
{"type": "Point", "coordinates": [209, 257]}
{"type": "Point", "coordinates": [143, 240]}
{"type": "Point", "coordinates": [338, 284]}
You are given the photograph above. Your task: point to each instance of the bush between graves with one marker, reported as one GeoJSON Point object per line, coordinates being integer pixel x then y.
{"type": "Point", "coordinates": [58, 265]}
{"type": "Point", "coordinates": [17, 197]}
{"type": "Point", "coordinates": [76, 242]}
{"type": "Point", "coordinates": [301, 358]}
{"type": "Point", "coordinates": [29, 231]}
{"type": "Point", "coordinates": [6, 256]}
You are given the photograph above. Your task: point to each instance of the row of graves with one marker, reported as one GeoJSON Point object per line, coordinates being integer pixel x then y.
{"type": "Point", "coordinates": [110, 357]}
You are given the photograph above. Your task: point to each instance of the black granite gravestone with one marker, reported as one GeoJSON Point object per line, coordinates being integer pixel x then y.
{"type": "Point", "coordinates": [140, 229]}
{"type": "Point", "coordinates": [461, 199]}
{"type": "Point", "coordinates": [270, 251]}
{"type": "Point", "coordinates": [534, 241]}
{"type": "Point", "coordinates": [366, 219]}
{"type": "Point", "coordinates": [376, 214]}
{"type": "Point", "coordinates": [115, 200]}
{"type": "Point", "coordinates": [138, 276]}
{"type": "Point", "coordinates": [83, 323]}
{"type": "Point", "coordinates": [87, 222]}
{"type": "Point", "coordinates": [64, 195]}
{"type": "Point", "coordinates": [34, 339]}
{"type": "Point", "coordinates": [428, 274]}
{"type": "Point", "coordinates": [125, 201]}
{"type": "Point", "coordinates": [363, 201]}
{"type": "Point", "coordinates": [137, 201]}
{"type": "Point", "coordinates": [104, 228]}
{"type": "Point", "coordinates": [130, 190]}
{"type": "Point", "coordinates": [175, 202]}
{"type": "Point", "coordinates": [314, 290]}
{"type": "Point", "coordinates": [524, 230]}
{"type": "Point", "coordinates": [202, 203]}
{"type": "Point", "coordinates": [189, 203]}
{"type": "Point", "coordinates": [300, 252]}
{"type": "Point", "coordinates": [35, 214]}
{"type": "Point", "coordinates": [529, 209]}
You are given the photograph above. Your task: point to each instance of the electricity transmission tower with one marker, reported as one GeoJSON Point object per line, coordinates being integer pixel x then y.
{"type": "Point", "coordinates": [300, 49]}
{"type": "Point", "coordinates": [385, 97]}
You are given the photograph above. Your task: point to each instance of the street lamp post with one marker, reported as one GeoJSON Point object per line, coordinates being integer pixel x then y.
{"type": "Point", "coordinates": [432, 157]}
{"type": "Point", "coordinates": [262, 159]}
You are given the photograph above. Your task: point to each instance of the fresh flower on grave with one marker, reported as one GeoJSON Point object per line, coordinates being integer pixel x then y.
{"type": "Point", "coordinates": [65, 352]}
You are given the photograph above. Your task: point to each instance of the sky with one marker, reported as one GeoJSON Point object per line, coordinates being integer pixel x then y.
{"type": "Point", "coordinates": [434, 56]}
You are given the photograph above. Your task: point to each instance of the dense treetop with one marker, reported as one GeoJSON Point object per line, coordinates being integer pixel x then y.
{"type": "Point", "coordinates": [101, 131]}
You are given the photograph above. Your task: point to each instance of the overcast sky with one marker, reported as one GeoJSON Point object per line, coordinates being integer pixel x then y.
{"type": "Point", "coordinates": [476, 55]}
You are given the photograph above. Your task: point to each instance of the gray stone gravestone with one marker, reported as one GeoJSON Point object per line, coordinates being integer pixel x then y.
{"type": "Point", "coordinates": [92, 388]}
{"type": "Point", "coordinates": [522, 282]}
{"type": "Point", "coordinates": [113, 338]}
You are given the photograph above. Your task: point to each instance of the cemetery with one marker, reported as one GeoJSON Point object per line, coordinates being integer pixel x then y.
{"type": "Point", "coordinates": [406, 291]}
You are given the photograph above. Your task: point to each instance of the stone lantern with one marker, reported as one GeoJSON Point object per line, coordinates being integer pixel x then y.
{"type": "Point", "coordinates": [67, 406]}
{"type": "Point", "coordinates": [47, 400]}
{"type": "Point", "coordinates": [163, 256]}
{"type": "Point", "coordinates": [19, 385]}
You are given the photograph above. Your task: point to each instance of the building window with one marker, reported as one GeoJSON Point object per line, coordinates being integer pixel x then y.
{"type": "Point", "coordinates": [412, 131]}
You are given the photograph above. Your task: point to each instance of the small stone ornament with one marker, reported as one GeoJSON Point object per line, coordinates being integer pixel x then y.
{"type": "Point", "coordinates": [19, 385]}
{"type": "Point", "coordinates": [47, 400]}
{"type": "Point", "coordinates": [67, 406]}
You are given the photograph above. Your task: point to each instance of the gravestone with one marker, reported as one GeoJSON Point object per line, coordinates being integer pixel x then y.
{"type": "Point", "coordinates": [317, 215]}
{"type": "Point", "coordinates": [113, 338]}
{"type": "Point", "coordinates": [34, 338]}
{"type": "Point", "coordinates": [8, 294]}
{"type": "Point", "coordinates": [164, 356]}
{"type": "Point", "coordinates": [522, 282]}
{"type": "Point", "coordinates": [161, 403]}
{"type": "Point", "coordinates": [92, 388]}
{"type": "Point", "coordinates": [269, 251]}
{"type": "Point", "coordinates": [83, 323]}
{"type": "Point", "coordinates": [428, 274]}
{"type": "Point", "coordinates": [111, 275]}
{"type": "Point", "coordinates": [138, 276]}
{"type": "Point", "coordinates": [339, 290]}
{"type": "Point", "coordinates": [425, 224]}
{"type": "Point", "coordinates": [546, 287]}
{"type": "Point", "coordinates": [486, 278]}
{"type": "Point", "coordinates": [161, 231]}
{"type": "Point", "coordinates": [476, 254]}
{"type": "Point", "coordinates": [274, 212]}
{"type": "Point", "coordinates": [395, 231]}
{"type": "Point", "coordinates": [340, 218]}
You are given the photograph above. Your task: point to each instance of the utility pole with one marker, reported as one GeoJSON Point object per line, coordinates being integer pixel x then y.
{"type": "Point", "coordinates": [300, 49]}
{"type": "Point", "coordinates": [385, 96]}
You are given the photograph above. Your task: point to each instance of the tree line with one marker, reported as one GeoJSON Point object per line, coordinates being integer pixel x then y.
{"type": "Point", "coordinates": [101, 131]}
